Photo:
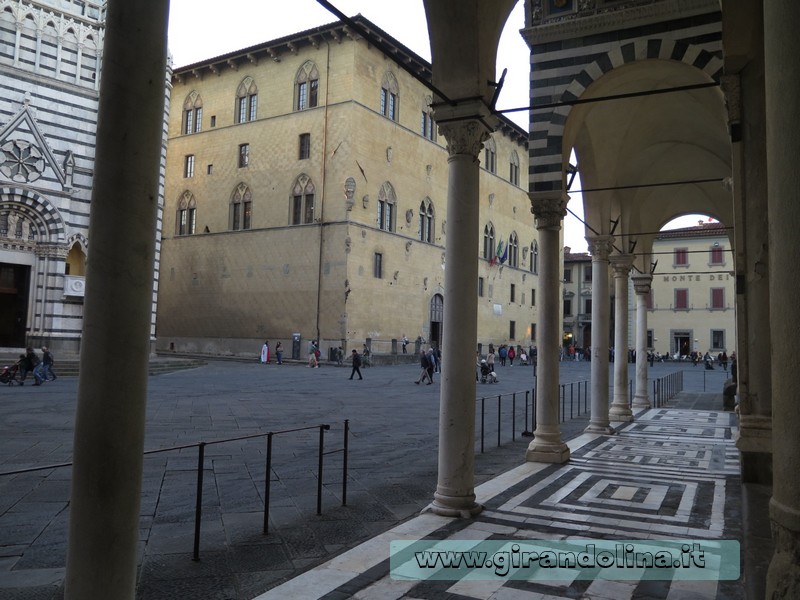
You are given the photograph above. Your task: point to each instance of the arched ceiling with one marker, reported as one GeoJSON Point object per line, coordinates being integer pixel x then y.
{"type": "Point", "coordinates": [640, 141]}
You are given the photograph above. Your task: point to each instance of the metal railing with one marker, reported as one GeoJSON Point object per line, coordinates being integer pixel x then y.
{"type": "Point", "coordinates": [201, 450]}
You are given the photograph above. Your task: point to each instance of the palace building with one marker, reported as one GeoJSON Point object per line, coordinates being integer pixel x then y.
{"type": "Point", "coordinates": [306, 200]}
{"type": "Point", "coordinates": [50, 69]}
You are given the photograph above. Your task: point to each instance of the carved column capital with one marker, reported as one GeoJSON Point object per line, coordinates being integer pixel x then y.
{"type": "Point", "coordinates": [549, 208]}
{"type": "Point", "coordinates": [600, 246]}
{"type": "Point", "coordinates": [464, 137]}
{"type": "Point", "coordinates": [641, 284]}
{"type": "Point", "coordinates": [621, 264]}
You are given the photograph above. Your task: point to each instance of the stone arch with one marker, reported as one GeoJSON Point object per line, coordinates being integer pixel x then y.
{"type": "Point", "coordinates": [45, 221]}
{"type": "Point", "coordinates": [543, 175]}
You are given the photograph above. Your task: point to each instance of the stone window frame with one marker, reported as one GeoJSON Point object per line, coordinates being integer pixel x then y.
{"type": "Point", "coordinates": [241, 208]}
{"type": "Point", "coordinates": [306, 86]}
{"type": "Point", "coordinates": [186, 214]}
{"type": "Point", "coordinates": [246, 108]}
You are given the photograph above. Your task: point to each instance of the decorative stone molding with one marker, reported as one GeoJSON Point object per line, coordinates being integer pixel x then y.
{"type": "Point", "coordinates": [621, 264]}
{"type": "Point", "coordinates": [349, 192]}
{"type": "Point", "coordinates": [549, 208]}
{"type": "Point", "coordinates": [464, 137]}
{"type": "Point", "coordinates": [641, 283]}
{"type": "Point", "coordinates": [732, 88]}
{"type": "Point", "coordinates": [600, 246]}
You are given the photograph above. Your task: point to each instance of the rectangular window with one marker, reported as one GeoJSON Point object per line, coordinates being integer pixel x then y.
{"type": "Point", "coordinates": [302, 95]}
{"type": "Point", "coordinates": [718, 339]}
{"type": "Point", "coordinates": [182, 222]}
{"type": "Point", "coordinates": [210, 169]}
{"type": "Point", "coordinates": [213, 120]}
{"type": "Point", "coordinates": [384, 93]}
{"type": "Point", "coordinates": [192, 220]}
{"type": "Point", "coordinates": [513, 293]}
{"type": "Point", "coordinates": [681, 257]}
{"type": "Point", "coordinates": [377, 269]}
{"type": "Point", "coordinates": [717, 255]}
{"type": "Point", "coordinates": [682, 299]}
{"type": "Point", "coordinates": [241, 113]}
{"type": "Point", "coordinates": [309, 212]}
{"type": "Point", "coordinates": [480, 287]}
{"type": "Point", "coordinates": [533, 332]}
{"type": "Point", "coordinates": [717, 298]}
{"type": "Point", "coordinates": [568, 275]}
{"type": "Point", "coordinates": [244, 155]}
{"type": "Point", "coordinates": [587, 273]}
{"type": "Point", "coordinates": [188, 165]}
{"type": "Point", "coordinates": [198, 119]}
{"type": "Point", "coordinates": [305, 146]}
{"type": "Point", "coordinates": [253, 107]}
{"type": "Point", "coordinates": [188, 121]}
{"type": "Point", "coordinates": [236, 217]}
{"type": "Point", "coordinates": [650, 338]}
{"type": "Point", "coordinates": [313, 93]}
{"type": "Point", "coordinates": [512, 330]}
{"type": "Point", "coordinates": [392, 106]}
{"type": "Point", "coordinates": [533, 297]}
{"type": "Point", "coordinates": [588, 305]}
{"type": "Point", "coordinates": [568, 307]}
{"type": "Point", "coordinates": [247, 213]}
{"type": "Point", "coordinates": [297, 210]}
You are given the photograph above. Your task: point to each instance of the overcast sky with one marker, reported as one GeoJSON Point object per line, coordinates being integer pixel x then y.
{"type": "Point", "coordinates": [202, 29]}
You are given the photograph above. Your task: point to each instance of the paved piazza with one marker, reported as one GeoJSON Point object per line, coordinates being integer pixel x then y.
{"type": "Point", "coordinates": [671, 473]}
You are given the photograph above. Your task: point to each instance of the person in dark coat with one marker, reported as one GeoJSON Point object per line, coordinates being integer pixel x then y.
{"type": "Point", "coordinates": [356, 364]}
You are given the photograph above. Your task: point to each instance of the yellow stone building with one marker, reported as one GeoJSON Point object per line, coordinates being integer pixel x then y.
{"type": "Point", "coordinates": [305, 198]}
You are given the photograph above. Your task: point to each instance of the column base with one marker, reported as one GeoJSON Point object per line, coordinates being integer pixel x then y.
{"type": "Point", "coordinates": [783, 576]}
{"type": "Point", "coordinates": [642, 402]}
{"type": "Point", "coordinates": [547, 452]}
{"type": "Point", "coordinates": [463, 507]}
{"type": "Point", "coordinates": [599, 428]}
{"type": "Point", "coordinates": [620, 413]}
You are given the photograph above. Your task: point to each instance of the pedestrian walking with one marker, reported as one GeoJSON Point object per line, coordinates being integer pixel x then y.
{"type": "Point", "coordinates": [405, 343]}
{"type": "Point", "coordinates": [44, 370]}
{"type": "Point", "coordinates": [265, 353]}
{"type": "Point", "coordinates": [356, 364]}
{"type": "Point", "coordinates": [512, 354]}
{"type": "Point", "coordinates": [27, 364]}
{"type": "Point", "coordinates": [279, 353]}
{"type": "Point", "coordinates": [424, 373]}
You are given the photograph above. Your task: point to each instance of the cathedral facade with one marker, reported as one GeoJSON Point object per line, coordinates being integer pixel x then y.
{"type": "Point", "coordinates": [50, 68]}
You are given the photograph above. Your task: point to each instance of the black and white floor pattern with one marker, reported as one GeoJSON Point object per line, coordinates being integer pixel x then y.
{"type": "Point", "coordinates": [670, 474]}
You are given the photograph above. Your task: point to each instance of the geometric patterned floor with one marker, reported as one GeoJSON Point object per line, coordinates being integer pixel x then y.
{"type": "Point", "coordinates": [669, 474]}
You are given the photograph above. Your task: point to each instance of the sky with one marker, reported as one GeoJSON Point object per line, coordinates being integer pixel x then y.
{"type": "Point", "coordinates": [201, 29]}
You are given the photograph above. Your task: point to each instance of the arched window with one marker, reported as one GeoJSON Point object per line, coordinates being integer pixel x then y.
{"type": "Point", "coordinates": [302, 201]}
{"type": "Point", "coordinates": [192, 113]}
{"type": "Point", "coordinates": [513, 174]}
{"type": "Point", "coordinates": [390, 98]}
{"type": "Point", "coordinates": [427, 126]}
{"type": "Point", "coordinates": [490, 156]}
{"type": "Point", "coordinates": [76, 261]}
{"type": "Point", "coordinates": [241, 208]}
{"type": "Point", "coordinates": [306, 86]}
{"type": "Point", "coordinates": [426, 221]}
{"type": "Point", "coordinates": [186, 221]}
{"type": "Point", "coordinates": [488, 242]}
{"type": "Point", "coordinates": [387, 201]}
{"type": "Point", "coordinates": [513, 250]}
{"type": "Point", "coordinates": [535, 257]}
{"type": "Point", "coordinates": [246, 101]}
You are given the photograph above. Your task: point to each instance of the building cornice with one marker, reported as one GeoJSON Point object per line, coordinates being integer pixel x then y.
{"type": "Point", "coordinates": [588, 20]}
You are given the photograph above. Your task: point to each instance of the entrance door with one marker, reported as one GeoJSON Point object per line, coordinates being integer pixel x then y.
{"type": "Point", "coordinates": [14, 280]}
{"type": "Point", "coordinates": [437, 316]}
{"type": "Point", "coordinates": [681, 343]}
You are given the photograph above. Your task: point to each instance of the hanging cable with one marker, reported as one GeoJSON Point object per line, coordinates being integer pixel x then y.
{"type": "Point", "coordinates": [648, 185]}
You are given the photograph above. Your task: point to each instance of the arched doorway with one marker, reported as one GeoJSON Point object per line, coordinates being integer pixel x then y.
{"type": "Point", "coordinates": [437, 317]}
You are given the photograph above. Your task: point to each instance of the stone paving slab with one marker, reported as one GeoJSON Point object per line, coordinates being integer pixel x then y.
{"type": "Point", "coordinates": [392, 470]}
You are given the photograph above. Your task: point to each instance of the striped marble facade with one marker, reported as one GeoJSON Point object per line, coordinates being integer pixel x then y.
{"type": "Point", "coordinates": [575, 45]}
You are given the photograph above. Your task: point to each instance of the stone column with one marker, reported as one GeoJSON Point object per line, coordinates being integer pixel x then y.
{"type": "Point", "coordinates": [547, 446]}
{"type": "Point", "coordinates": [620, 410]}
{"type": "Point", "coordinates": [782, 77]}
{"type": "Point", "coordinates": [600, 248]}
{"type": "Point", "coordinates": [455, 490]}
{"type": "Point", "coordinates": [109, 425]}
{"type": "Point", "coordinates": [641, 285]}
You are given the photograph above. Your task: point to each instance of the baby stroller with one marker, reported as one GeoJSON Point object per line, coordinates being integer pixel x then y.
{"type": "Point", "coordinates": [487, 375]}
{"type": "Point", "coordinates": [9, 374]}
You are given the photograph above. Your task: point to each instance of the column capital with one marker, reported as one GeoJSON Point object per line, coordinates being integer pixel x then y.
{"type": "Point", "coordinates": [549, 208]}
{"type": "Point", "coordinates": [464, 137]}
{"type": "Point", "coordinates": [641, 283]}
{"type": "Point", "coordinates": [621, 264]}
{"type": "Point", "coordinates": [600, 246]}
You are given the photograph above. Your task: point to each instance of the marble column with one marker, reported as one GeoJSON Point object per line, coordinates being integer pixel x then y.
{"type": "Point", "coordinates": [620, 410]}
{"type": "Point", "coordinates": [547, 445]}
{"type": "Point", "coordinates": [455, 490]}
{"type": "Point", "coordinates": [600, 247]}
{"type": "Point", "coordinates": [641, 286]}
{"type": "Point", "coordinates": [103, 545]}
{"type": "Point", "coordinates": [782, 84]}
